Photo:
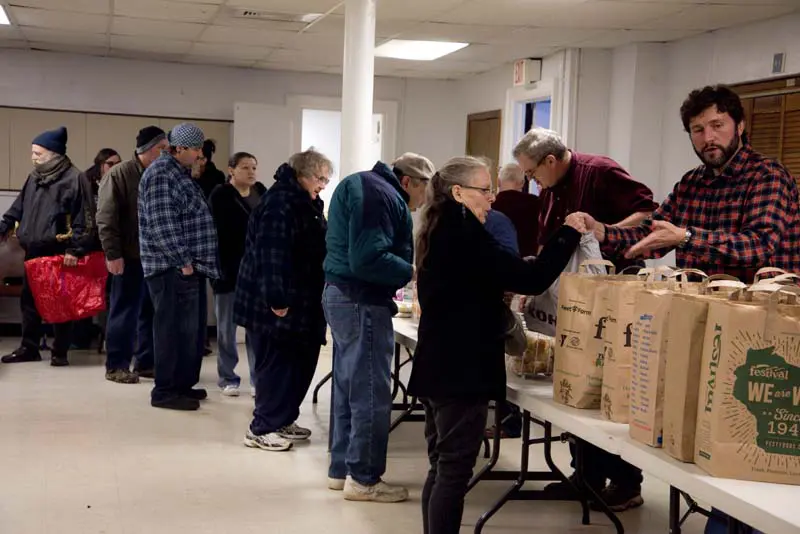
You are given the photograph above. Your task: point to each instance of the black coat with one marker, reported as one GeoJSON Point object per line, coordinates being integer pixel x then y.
{"type": "Point", "coordinates": [231, 213]}
{"type": "Point", "coordinates": [282, 265]}
{"type": "Point", "coordinates": [460, 352]}
{"type": "Point", "coordinates": [211, 178]}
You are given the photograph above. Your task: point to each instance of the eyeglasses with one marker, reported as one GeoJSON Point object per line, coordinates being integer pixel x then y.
{"type": "Point", "coordinates": [487, 191]}
{"type": "Point", "coordinates": [322, 180]}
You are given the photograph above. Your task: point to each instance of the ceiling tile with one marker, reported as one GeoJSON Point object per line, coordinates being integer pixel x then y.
{"type": "Point", "coordinates": [297, 67]}
{"type": "Point", "coordinates": [499, 54]}
{"type": "Point", "coordinates": [10, 33]}
{"type": "Point", "coordinates": [165, 10]}
{"type": "Point", "coordinates": [247, 36]}
{"type": "Point", "coordinates": [215, 2]}
{"type": "Point", "coordinates": [609, 14]}
{"type": "Point", "coordinates": [712, 17]}
{"type": "Point", "coordinates": [328, 57]}
{"type": "Point", "coordinates": [416, 10]}
{"type": "Point", "coordinates": [161, 46]}
{"type": "Point", "coordinates": [553, 37]}
{"type": "Point", "coordinates": [438, 31]}
{"type": "Point", "coordinates": [145, 56]}
{"type": "Point", "coordinates": [60, 20]}
{"type": "Point", "coordinates": [9, 43]}
{"type": "Point", "coordinates": [296, 7]}
{"type": "Point", "coordinates": [58, 37]}
{"type": "Point", "coordinates": [181, 31]}
{"type": "Point", "coordinates": [70, 49]}
{"type": "Point", "coordinates": [218, 61]}
{"type": "Point", "coordinates": [615, 38]}
{"type": "Point", "coordinates": [507, 12]}
{"type": "Point", "coordinates": [97, 7]}
{"type": "Point", "coordinates": [241, 52]}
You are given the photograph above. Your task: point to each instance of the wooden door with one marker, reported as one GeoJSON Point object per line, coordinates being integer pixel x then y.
{"type": "Point", "coordinates": [483, 138]}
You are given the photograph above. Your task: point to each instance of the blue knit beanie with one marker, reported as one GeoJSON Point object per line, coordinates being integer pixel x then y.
{"type": "Point", "coordinates": [53, 140]}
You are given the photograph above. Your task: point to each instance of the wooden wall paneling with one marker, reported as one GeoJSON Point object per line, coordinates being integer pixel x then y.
{"type": "Point", "coordinates": [114, 131]}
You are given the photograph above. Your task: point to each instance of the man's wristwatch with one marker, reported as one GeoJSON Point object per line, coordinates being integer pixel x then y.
{"type": "Point", "coordinates": [686, 239]}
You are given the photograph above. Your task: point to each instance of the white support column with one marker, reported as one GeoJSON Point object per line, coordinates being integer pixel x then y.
{"type": "Point", "coordinates": [357, 85]}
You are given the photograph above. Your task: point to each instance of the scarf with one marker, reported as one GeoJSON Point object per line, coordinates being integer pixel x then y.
{"type": "Point", "coordinates": [47, 173]}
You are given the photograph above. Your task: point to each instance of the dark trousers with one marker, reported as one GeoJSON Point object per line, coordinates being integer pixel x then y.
{"type": "Point", "coordinates": [284, 370]}
{"type": "Point", "coordinates": [600, 465]}
{"type": "Point", "coordinates": [202, 324]}
{"type": "Point", "coordinates": [130, 320]}
{"type": "Point", "coordinates": [32, 331]}
{"type": "Point", "coordinates": [175, 337]}
{"type": "Point", "coordinates": [454, 432]}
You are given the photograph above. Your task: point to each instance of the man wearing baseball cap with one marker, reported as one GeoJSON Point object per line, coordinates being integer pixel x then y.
{"type": "Point", "coordinates": [369, 257]}
{"type": "Point", "coordinates": [178, 243]}
{"type": "Point", "coordinates": [130, 316]}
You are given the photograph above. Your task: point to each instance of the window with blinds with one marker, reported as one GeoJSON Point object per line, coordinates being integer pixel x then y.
{"type": "Point", "coordinates": [772, 114]}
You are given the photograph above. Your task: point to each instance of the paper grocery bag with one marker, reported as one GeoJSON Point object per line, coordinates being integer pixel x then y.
{"type": "Point", "coordinates": [651, 320]}
{"type": "Point", "coordinates": [687, 327]}
{"type": "Point", "coordinates": [581, 320]}
{"type": "Point", "coordinates": [618, 348]}
{"type": "Point", "coordinates": [748, 418]}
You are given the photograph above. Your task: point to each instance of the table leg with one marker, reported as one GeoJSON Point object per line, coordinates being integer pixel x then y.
{"type": "Point", "coordinates": [579, 464]}
{"type": "Point", "coordinates": [495, 451]}
{"type": "Point", "coordinates": [523, 471]}
{"type": "Point", "coordinates": [548, 458]}
{"type": "Point", "coordinates": [396, 381]}
{"type": "Point", "coordinates": [674, 510]}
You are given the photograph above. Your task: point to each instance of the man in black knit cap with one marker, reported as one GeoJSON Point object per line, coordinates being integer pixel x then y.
{"type": "Point", "coordinates": [130, 317]}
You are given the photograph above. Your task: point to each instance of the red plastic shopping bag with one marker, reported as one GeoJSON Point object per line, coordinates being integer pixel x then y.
{"type": "Point", "coordinates": [65, 293]}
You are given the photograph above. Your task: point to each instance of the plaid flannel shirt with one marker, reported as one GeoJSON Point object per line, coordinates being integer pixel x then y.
{"type": "Point", "coordinates": [175, 224]}
{"type": "Point", "coordinates": [744, 219]}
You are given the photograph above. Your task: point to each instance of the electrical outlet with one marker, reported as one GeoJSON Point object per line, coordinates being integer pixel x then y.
{"type": "Point", "coordinates": [777, 63]}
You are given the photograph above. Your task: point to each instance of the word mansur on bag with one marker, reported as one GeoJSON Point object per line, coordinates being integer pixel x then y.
{"type": "Point", "coordinates": [748, 417]}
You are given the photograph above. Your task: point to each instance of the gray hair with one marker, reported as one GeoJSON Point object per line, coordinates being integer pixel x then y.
{"type": "Point", "coordinates": [310, 163]}
{"type": "Point", "coordinates": [539, 143]}
{"type": "Point", "coordinates": [511, 173]}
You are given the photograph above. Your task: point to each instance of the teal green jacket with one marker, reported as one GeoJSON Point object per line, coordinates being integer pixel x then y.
{"type": "Point", "coordinates": [370, 237]}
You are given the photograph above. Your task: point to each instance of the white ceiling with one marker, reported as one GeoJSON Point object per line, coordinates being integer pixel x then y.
{"type": "Point", "coordinates": [208, 31]}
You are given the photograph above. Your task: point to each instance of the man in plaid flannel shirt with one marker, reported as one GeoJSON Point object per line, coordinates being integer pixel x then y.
{"type": "Point", "coordinates": [178, 243]}
{"type": "Point", "coordinates": [734, 214]}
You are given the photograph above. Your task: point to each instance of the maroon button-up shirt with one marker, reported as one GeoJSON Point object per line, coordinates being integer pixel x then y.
{"type": "Point", "coordinates": [744, 219]}
{"type": "Point", "coordinates": [596, 185]}
{"type": "Point", "coordinates": [523, 210]}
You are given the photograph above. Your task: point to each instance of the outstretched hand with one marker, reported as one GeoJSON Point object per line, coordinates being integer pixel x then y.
{"type": "Point", "coordinates": [664, 235]}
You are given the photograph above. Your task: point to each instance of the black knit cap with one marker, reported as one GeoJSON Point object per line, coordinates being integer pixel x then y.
{"type": "Point", "coordinates": [148, 137]}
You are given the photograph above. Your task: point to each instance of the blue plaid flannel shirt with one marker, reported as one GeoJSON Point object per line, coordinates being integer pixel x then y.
{"type": "Point", "coordinates": [175, 224]}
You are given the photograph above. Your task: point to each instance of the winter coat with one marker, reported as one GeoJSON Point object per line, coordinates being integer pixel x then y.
{"type": "Point", "coordinates": [282, 263]}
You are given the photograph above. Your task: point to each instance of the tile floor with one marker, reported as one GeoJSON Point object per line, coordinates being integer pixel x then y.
{"type": "Point", "coordinates": [80, 455]}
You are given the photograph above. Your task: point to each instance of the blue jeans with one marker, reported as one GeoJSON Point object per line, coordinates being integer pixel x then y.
{"type": "Point", "coordinates": [130, 305]}
{"type": "Point", "coordinates": [363, 339]}
{"type": "Point", "coordinates": [228, 357]}
{"type": "Point", "coordinates": [284, 370]}
{"type": "Point", "coordinates": [175, 323]}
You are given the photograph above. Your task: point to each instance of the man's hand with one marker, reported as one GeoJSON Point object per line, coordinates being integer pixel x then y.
{"type": "Point", "coordinates": [664, 235]}
{"type": "Point", "coordinates": [576, 221]}
{"type": "Point", "coordinates": [116, 267]}
{"type": "Point", "coordinates": [187, 271]}
{"type": "Point", "coordinates": [280, 313]}
{"type": "Point", "coordinates": [70, 260]}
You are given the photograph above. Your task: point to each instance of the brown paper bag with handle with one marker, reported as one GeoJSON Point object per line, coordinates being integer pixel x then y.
{"type": "Point", "coordinates": [687, 325]}
{"type": "Point", "coordinates": [748, 417]}
{"type": "Point", "coordinates": [580, 323]}
{"type": "Point", "coordinates": [618, 340]}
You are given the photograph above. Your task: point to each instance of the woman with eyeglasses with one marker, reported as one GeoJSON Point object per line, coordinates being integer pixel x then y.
{"type": "Point", "coordinates": [231, 205]}
{"type": "Point", "coordinates": [459, 364]}
{"type": "Point", "coordinates": [103, 161]}
{"type": "Point", "coordinates": [279, 297]}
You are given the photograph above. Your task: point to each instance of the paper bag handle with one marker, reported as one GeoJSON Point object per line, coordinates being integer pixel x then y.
{"type": "Point", "coordinates": [766, 270]}
{"type": "Point", "coordinates": [680, 274]}
{"type": "Point", "coordinates": [584, 264]}
{"type": "Point", "coordinates": [787, 278]}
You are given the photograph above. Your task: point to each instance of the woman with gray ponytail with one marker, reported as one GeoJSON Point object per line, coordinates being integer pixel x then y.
{"type": "Point", "coordinates": [459, 365]}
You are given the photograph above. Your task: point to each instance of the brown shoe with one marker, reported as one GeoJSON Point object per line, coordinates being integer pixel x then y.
{"type": "Point", "coordinates": [122, 376]}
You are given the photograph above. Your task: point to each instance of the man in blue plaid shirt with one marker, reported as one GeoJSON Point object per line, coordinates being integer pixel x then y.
{"type": "Point", "coordinates": [178, 243]}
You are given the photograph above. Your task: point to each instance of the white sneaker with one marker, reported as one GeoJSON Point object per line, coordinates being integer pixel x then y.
{"type": "Point", "coordinates": [230, 390]}
{"type": "Point", "coordinates": [380, 492]}
{"type": "Point", "coordinates": [294, 432]}
{"type": "Point", "coordinates": [267, 442]}
{"type": "Point", "coordinates": [336, 484]}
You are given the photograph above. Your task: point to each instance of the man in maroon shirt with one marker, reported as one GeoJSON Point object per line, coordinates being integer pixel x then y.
{"type": "Point", "coordinates": [600, 187]}
{"type": "Point", "coordinates": [732, 215]}
{"type": "Point", "coordinates": [572, 181]}
{"type": "Point", "coordinates": [519, 206]}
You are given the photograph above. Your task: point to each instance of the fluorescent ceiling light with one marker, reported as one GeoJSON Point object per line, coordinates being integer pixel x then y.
{"type": "Point", "coordinates": [417, 50]}
{"type": "Point", "coordinates": [4, 17]}
{"type": "Point", "coordinates": [311, 17]}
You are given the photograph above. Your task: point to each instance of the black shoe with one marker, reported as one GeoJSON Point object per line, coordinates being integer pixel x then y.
{"type": "Point", "coordinates": [22, 354]}
{"type": "Point", "coordinates": [619, 499]}
{"type": "Point", "coordinates": [197, 394]}
{"type": "Point", "coordinates": [58, 361]}
{"type": "Point", "coordinates": [145, 373]}
{"type": "Point", "coordinates": [122, 376]}
{"type": "Point", "coordinates": [561, 491]}
{"type": "Point", "coordinates": [184, 404]}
